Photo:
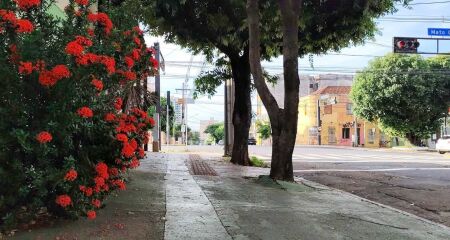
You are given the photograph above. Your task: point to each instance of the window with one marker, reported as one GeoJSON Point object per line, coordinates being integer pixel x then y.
{"type": "Point", "coordinates": [371, 137]}
{"type": "Point", "coordinates": [345, 133]}
{"type": "Point", "coordinates": [331, 135]}
{"type": "Point", "coordinates": [349, 109]}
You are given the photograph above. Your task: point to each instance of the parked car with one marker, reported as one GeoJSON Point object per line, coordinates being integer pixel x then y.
{"type": "Point", "coordinates": [443, 144]}
{"type": "Point", "coordinates": [220, 142]}
{"type": "Point", "coordinates": [251, 141]}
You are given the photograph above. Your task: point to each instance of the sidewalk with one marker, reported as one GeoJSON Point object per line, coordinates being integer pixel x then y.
{"type": "Point", "coordinates": [182, 196]}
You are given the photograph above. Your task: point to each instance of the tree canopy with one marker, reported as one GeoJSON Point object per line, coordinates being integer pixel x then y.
{"type": "Point", "coordinates": [406, 94]}
{"type": "Point", "coordinates": [216, 131]}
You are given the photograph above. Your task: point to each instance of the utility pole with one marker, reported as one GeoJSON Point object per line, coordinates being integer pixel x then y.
{"type": "Point", "coordinates": [228, 126]}
{"type": "Point", "coordinates": [157, 129]}
{"type": "Point", "coordinates": [168, 118]}
{"type": "Point", "coordinates": [356, 131]}
{"type": "Point", "coordinates": [226, 152]}
{"type": "Point", "coordinates": [184, 131]}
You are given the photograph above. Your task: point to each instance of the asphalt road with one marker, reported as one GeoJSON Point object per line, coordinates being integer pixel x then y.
{"type": "Point", "coordinates": [416, 182]}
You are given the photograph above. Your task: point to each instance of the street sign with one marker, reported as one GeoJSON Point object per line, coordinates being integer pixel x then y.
{"type": "Point", "coordinates": [439, 31]}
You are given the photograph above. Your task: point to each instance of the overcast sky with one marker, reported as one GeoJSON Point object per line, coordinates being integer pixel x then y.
{"type": "Point", "coordinates": [406, 22]}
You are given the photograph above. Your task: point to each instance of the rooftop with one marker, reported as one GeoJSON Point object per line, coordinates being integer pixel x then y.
{"type": "Point", "coordinates": [337, 90]}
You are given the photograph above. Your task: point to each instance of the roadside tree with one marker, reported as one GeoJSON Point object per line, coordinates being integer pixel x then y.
{"type": "Point", "coordinates": [300, 27]}
{"type": "Point", "coordinates": [216, 131]}
{"type": "Point", "coordinates": [407, 95]}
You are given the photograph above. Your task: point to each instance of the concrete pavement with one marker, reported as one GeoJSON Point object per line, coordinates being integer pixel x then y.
{"type": "Point", "coordinates": [165, 201]}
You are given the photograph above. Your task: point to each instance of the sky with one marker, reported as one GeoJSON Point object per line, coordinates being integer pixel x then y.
{"type": "Point", "coordinates": [412, 22]}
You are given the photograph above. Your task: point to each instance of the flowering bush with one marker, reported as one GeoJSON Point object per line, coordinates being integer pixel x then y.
{"type": "Point", "coordinates": [66, 137]}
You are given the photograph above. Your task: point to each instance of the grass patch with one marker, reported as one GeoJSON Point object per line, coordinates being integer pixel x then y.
{"type": "Point", "coordinates": [256, 162]}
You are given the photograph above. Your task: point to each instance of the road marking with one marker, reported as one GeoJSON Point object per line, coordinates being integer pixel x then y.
{"type": "Point", "coordinates": [370, 170]}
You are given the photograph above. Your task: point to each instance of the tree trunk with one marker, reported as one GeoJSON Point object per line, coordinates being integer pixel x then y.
{"type": "Point", "coordinates": [283, 121]}
{"type": "Point", "coordinates": [242, 109]}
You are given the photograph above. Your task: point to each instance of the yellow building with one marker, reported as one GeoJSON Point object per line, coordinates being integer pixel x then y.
{"type": "Point", "coordinates": [337, 122]}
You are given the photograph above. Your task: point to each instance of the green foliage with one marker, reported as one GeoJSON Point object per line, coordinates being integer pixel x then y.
{"type": "Point", "coordinates": [194, 138]}
{"type": "Point", "coordinates": [216, 131]}
{"type": "Point", "coordinates": [263, 129]}
{"type": "Point", "coordinates": [406, 94]}
{"type": "Point", "coordinates": [256, 162]}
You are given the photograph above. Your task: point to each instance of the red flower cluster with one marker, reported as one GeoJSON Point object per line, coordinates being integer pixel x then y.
{"type": "Point", "coordinates": [122, 137]}
{"type": "Point", "coordinates": [24, 26]}
{"type": "Point", "coordinates": [27, 4]}
{"type": "Point", "coordinates": [102, 170]}
{"type": "Point", "coordinates": [129, 75]}
{"type": "Point", "coordinates": [137, 41]}
{"type": "Point", "coordinates": [71, 175]}
{"type": "Point", "coordinates": [88, 191]}
{"type": "Point", "coordinates": [118, 104]}
{"type": "Point", "coordinates": [82, 2]}
{"type": "Point", "coordinates": [44, 137]}
{"type": "Point", "coordinates": [136, 54]}
{"type": "Point", "coordinates": [63, 200]}
{"type": "Point", "coordinates": [25, 68]}
{"type": "Point", "coordinates": [129, 62]}
{"type": "Point", "coordinates": [154, 63]}
{"type": "Point", "coordinates": [91, 214]}
{"type": "Point", "coordinates": [103, 20]}
{"type": "Point", "coordinates": [50, 78]}
{"type": "Point", "coordinates": [76, 47]}
{"type": "Point", "coordinates": [85, 112]}
{"type": "Point", "coordinates": [98, 84]}
{"type": "Point", "coordinates": [20, 25]}
{"type": "Point", "coordinates": [96, 203]}
{"type": "Point", "coordinates": [110, 117]}
{"type": "Point", "coordinates": [138, 30]}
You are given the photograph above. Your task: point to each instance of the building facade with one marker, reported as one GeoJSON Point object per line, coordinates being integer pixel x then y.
{"type": "Point", "coordinates": [326, 118]}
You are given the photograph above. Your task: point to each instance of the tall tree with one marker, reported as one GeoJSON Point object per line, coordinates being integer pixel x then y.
{"type": "Point", "coordinates": [406, 94]}
{"type": "Point", "coordinates": [205, 27]}
{"type": "Point", "coordinates": [306, 26]}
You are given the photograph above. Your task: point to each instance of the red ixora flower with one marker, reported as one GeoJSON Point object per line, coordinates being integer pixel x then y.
{"type": "Point", "coordinates": [24, 26]}
{"type": "Point", "coordinates": [96, 203]}
{"type": "Point", "coordinates": [27, 4]}
{"type": "Point", "coordinates": [129, 75]}
{"type": "Point", "coordinates": [25, 68]}
{"type": "Point", "coordinates": [91, 214]}
{"type": "Point", "coordinates": [122, 137]}
{"type": "Point", "coordinates": [44, 137]}
{"type": "Point", "coordinates": [129, 62]}
{"type": "Point", "coordinates": [98, 84]}
{"type": "Point", "coordinates": [128, 150]}
{"type": "Point", "coordinates": [71, 175]}
{"type": "Point", "coordinates": [151, 121]}
{"type": "Point", "coordinates": [103, 20]}
{"type": "Point", "coordinates": [82, 2]}
{"type": "Point", "coordinates": [102, 170]}
{"type": "Point", "coordinates": [85, 112]}
{"type": "Point", "coordinates": [74, 48]}
{"type": "Point", "coordinates": [118, 104]}
{"type": "Point", "coordinates": [63, 200]}
{"type": "Point", "coordinates": [138, 30]}
{"type": "Point", "coordinates": [110, 117]}
{"type": "Point", "coordinates": [8, 16]}
{"type": "Point", "coordinates": [49, 78]}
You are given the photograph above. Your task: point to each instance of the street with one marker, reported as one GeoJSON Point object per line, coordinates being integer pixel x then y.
{"type": "Point", "coordinates": [416, 182]}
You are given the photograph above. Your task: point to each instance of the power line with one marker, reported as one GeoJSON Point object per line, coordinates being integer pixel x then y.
{"type": "Point", "coordinates": [428, 3]}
